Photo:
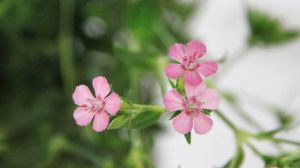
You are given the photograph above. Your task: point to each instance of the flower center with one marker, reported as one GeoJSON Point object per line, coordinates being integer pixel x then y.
{"type": "Point", "coordinates": [189, 63]}
{"type": "Point", "coordinates": [192, 105]}
{"type": "Point", "coordinates": [96, 105]}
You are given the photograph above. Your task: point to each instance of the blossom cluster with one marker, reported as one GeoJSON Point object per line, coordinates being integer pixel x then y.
{"type": "Point", "coordinates": [197, 97]}
{"type": "Point", "coordinates": [99, 107]}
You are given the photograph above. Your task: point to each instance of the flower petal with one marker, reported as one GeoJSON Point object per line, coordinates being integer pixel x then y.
{"type": "Point", "coordinates": [101, 121]}
{"type": "Point", "coordinates": [196, 48]}
{"type": "Point", "coordinates": [177, 52]}
{"type": "Point", "coordinates": [173, 71]}
{"type": "Point", "coordinates": [173, 100]}
{"type": "Point", "coordinates": [208, 68]}
{"type": "Point", "coordinates": [202, 123]}
{"type": "Point", "coordinates": [112, 104]}
{"type": "Point", "coordinates": [192, 78]}
{"type": "Point", "coordinates": [101, 87]}
{"type": "Point", "coordinates": [82, 95]}
{"type": "Point", "coordinates": [196, 90]}
{"type": "Point", "coordinates": [82, 116]}
{"type": "Point", "coordinates": [183, 123]}
{"type": "Point", "coordinates": [210, 98]}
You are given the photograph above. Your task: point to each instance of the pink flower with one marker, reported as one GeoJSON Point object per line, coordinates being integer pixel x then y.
{"type": "Point", "coordinates": [197, 98]}
{"type": "Point", "coordinates": [189, 66]}
{"type": "Point", "coordinates": [97, 107]}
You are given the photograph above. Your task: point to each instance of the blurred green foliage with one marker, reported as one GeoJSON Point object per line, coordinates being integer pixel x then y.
{"type": "Point", "coordinates": [267, 30]}
{"type": "Point", "coordinates": [286, 160]}
{"type": "Point", "coordinates": [47, 44]}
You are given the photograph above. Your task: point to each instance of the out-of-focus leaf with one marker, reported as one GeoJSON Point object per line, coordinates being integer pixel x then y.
{"type": "Point", "coordinates": [237, 161]}
{"type": "Point", "coordinates": [267, 30]}
{"type": "Point", "coordinates": [284, 118]}
{"type": "Point", "coordinates": [173, 85]}
{"type": "Point", "coordinates": [229, 97]}
{"type": "Point", "coordinates": [145, 119]}
{"type": "Point", "coordinates": [206, 111]}
{"type": "Point", "coordinates": [176, 113]}
{"type": "Point", "coordinates": [56, 145]}
{"type": "Point", "coordinates": [139, 158]}
{"type": "Point", "coordinates": [3, 146]}
{"type": "Point", "coordinates": [188, 138]}
{"type": "Point", "coordinates": [180, 86]}
{"type": "Point", "coordinates": [118, 122]}
{"type": "Point", "coordinates": [143, 19]}
{"type": "Point", "coordinates": [4, 6]}
{"type": "Point", "coordinates": [287, 160]}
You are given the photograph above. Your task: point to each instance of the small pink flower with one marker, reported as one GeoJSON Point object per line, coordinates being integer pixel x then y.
{"type": "Point", "coordinates": [95, 107]}
{"type": "Point", "coordinates": [188, 57]}
{"type": "Point", "coordinates": [197, 98]}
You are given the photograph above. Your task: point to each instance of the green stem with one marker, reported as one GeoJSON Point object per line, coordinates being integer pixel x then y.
{"type": "Point", "coordinates": [244, 115]}
{"type": "Point", "coordinates": [238, 157]}
{"type": "Point", "coordinates": [276, 140]}
{"type": "Point", "coordinates": [154, 108]}
{"type": "Point", "coordinates": [65, 44]}
{"type": "Point", "coordinates": [226, 120]}
{"type": "Point", "coordinates": [161, 64]}
{"type": "Point", "coordinates": [286, 141]}
{"type": "Point", "coordinates": [253, 148]}
{"type": "Point", "coordinates": [141, 107]}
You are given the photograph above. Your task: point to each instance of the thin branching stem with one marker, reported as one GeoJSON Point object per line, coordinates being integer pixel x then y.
{"type": "Point", "coordinates": [226, 120]}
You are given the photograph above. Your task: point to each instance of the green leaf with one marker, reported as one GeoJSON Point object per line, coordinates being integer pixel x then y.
{"type": "Point", "coordinates": [284, 118]}
{"type": "Point", "coordinates": [145, 119]}
{"type": "Point", "coordinates": [118, 122]}
{"type": "Point", "coordinates": [172, 84]}
{"type": "Point", "coordinates": [175, 114]}
{"type": "Point", "coordinates": [206, 111]}
{"type": "Point", "coordinates": [143, 19]}
{"type": "Point", "coordinates": [180, 86]}
{"type": "Point", "coordinates": [229, 97]}
{"type": "Point", "coordinates": [188, 138]}
{"type": "Point", "coordinates": [267, 30]}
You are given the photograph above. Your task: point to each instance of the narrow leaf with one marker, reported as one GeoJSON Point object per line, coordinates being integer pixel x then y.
{"type": "Point", "coordinates": [176, 113]}
{"type": "Point", "coordinates": [145, 119]}
{"type": "Point", "coordinates": [118, 122]}
{"type": "Point", "coordinates": [173, 85]}
{"type": "Point", "coordinates": [188, 138]}
{"type": "Point", "coordinates": [180, 86]}
{"type": "Point", "coordinates": [206, 111]}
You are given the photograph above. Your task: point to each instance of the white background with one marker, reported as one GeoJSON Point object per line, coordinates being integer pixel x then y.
{"type": "Point", "coordinates": [267, 74]}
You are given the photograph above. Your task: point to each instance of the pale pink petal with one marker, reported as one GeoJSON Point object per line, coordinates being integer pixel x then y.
{"type": "Point", "coordinates": [82, 116]}
{"type": "Point", "coordinates": [210, 99]}
{"type": "Point", "coordinates": [112, 104]}
{"type": "Point", "coordinates": [101, 121]}
{"type": "Point", "coordinates": [192, 78]}
{"type": "Point", "coordinates": [101, 87]}
{"type": "Point", "coordinates": [173, 100]}
{"type": "Point", "coordinates": [82, 95]}
{"type": "Point", "coordinates": [183, 123]}
{"type": "Point", "coordinates": [173, 71]}
{"type": "Point", "coordinates": [196, 48]}
{"type": "Point", "coordinates": [177, 52]}
{"type": "Point", "coordinates": [196, 90]}
{"type": "Point", "coordinates": [208, 68]}
{"type": "Point", "coordinates": [202, 123]}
